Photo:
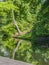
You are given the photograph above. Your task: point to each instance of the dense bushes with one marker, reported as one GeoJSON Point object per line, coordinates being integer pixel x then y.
{"type": "Point", "coordinates": [28, 14]}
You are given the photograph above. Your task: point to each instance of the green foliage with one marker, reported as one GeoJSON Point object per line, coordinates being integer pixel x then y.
{"type": "Point", "coordinates": [29, 14]}
{"type": "Point", "coordinates": [41, 27]}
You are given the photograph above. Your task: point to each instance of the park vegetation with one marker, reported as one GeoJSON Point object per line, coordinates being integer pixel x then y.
{"type": "Point", "coordinates": [25, 20]}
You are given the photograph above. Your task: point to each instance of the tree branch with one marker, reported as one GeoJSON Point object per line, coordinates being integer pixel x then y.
{"type": "Point", "coordinates": [15, 50]}
{"type": "Point", "coordinates": [22, 33]}
{"type": "Point", "coordinates": [14, 21]}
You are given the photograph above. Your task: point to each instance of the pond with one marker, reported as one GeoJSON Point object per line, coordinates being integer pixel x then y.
{"type": "Point", "coordinates": [26, 51]}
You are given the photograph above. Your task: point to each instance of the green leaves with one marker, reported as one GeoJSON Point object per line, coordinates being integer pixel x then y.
{"type": "Point", "coordinates": [7, 6]}
{"type": "Point", "coordinates": [29, 14]}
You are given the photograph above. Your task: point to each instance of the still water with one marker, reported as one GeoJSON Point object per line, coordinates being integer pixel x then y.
{"type": "Point", "coordinates": [26, 51]}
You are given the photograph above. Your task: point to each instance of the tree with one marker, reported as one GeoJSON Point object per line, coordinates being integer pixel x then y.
{"type": "Point", "coordinates": [25, 18]}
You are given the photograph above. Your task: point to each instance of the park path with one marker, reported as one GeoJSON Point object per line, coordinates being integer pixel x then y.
{"type": "Point", "coordinates": [7, 61]}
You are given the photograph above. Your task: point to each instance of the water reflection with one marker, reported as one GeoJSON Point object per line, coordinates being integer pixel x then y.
{"type": "Point", "coordinates": [26, 51]}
